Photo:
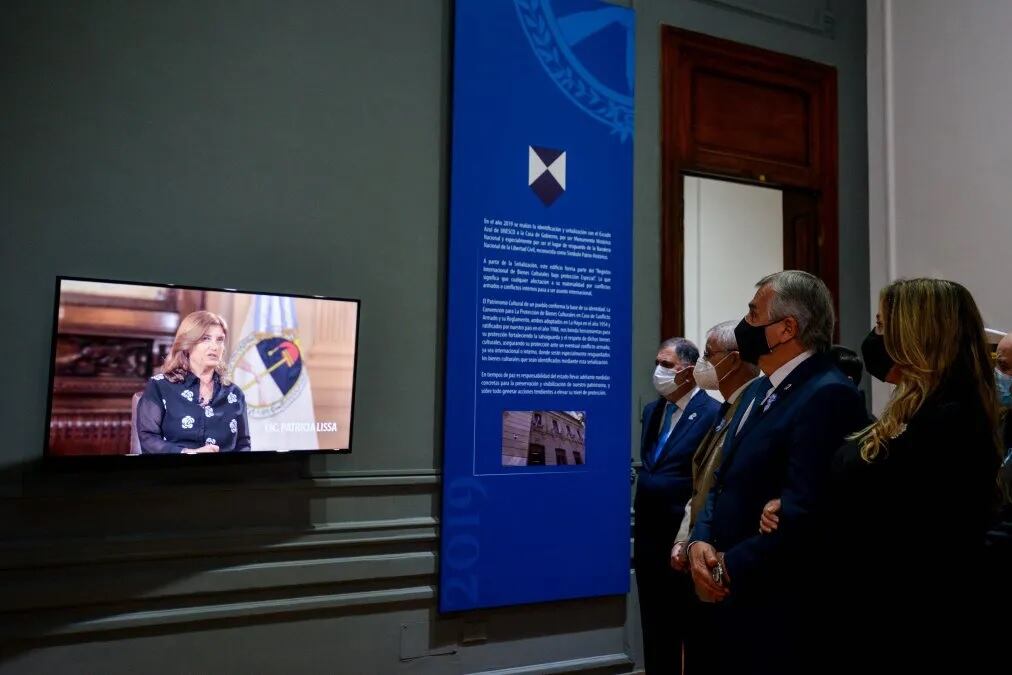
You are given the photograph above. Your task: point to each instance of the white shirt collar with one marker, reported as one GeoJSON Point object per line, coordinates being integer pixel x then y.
{"type": "Point", "coordinates": [781, 373]}
{"type": "Point", "coordinates": [684, 401]}
{"type": "Point", "coordinates": [737, 392]}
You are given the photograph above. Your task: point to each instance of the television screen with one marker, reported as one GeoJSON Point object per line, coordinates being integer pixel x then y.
{"type": "Point", "coordinates": [163, 369]}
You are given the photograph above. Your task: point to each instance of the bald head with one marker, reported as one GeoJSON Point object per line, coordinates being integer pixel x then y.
{"type": "Point", "coordinates": [1005, 354]}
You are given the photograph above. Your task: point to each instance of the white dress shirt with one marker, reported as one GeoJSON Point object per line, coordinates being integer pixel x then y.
{"type": "Point", "coordinates": [681, 404]}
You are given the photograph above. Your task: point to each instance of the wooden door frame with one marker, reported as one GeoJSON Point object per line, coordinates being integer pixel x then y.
{"type": "Point", "coordinates": [682, 53]}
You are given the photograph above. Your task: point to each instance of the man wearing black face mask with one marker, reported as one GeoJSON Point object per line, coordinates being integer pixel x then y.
{"type": "Point", "coordinates": [799, 414]}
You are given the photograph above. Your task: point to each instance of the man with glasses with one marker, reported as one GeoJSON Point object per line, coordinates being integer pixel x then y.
{"type": "Point", "coordinates": [721, 369]}
{"type": "Point", "coordinates": [673, 425]}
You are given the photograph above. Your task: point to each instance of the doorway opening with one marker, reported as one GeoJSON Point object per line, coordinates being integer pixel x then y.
{"type": "Point", "coordinates": [749, 176]}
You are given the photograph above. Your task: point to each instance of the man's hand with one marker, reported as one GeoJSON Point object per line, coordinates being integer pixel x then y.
{"type": "Point", "coordinates": [679, 561]}
{"type": "Point", "coordinates": [702, 559]}
{"type": "Point", "coordinates": [769, 521]}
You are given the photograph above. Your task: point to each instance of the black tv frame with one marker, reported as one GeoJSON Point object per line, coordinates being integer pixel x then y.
{"type": "Point", "coordinates": [203, 459]}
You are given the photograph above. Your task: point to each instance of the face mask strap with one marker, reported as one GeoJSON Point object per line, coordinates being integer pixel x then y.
{"type": "Point", "coordinates": [720, 378]}
{"type": "Point", "coordinates": [713, 365]}
{"type": "Point", "coordinates": [783, 318]}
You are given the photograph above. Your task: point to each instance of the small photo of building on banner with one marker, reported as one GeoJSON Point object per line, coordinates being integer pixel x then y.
{"type": "Point", "coordinates": [543, 437]}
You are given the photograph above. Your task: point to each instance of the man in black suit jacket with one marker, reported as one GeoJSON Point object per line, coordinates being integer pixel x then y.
{"type": "Point", "coordinates": [798, 417]}
{"type": "Point", "coordinates": [999, 539]}
{"type": "Point", "coordinates": [673, 426]}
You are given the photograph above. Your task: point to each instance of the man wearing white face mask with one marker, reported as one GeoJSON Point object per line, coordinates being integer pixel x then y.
{"type": "Point", "coordinates": [720, 369]}
{"type": "Point", "coordinates": [1000, 536]}
{"type": "Point", "coordinates": [1003, 380]}
{"type": "Point", "coordinates": [673, 425]}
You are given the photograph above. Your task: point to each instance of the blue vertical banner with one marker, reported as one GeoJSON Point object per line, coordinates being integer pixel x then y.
{"type": "Point", "coordinates": [536, 448]}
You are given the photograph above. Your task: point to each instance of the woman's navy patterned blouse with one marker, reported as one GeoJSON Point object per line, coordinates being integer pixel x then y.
{"type": "Point", "coordinates": [171, 419]}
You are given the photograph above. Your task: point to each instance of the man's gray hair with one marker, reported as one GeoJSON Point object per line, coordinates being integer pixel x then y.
{"type": "Point", "coordinates": [723, 335]}
{"type": "Point", "coordinates": [685, 350]}
{"type": "Point", "coordinates": [805, 297]}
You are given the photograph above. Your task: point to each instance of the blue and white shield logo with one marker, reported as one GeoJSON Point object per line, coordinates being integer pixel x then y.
{"type": "Point", "coordinates": [546, 172]}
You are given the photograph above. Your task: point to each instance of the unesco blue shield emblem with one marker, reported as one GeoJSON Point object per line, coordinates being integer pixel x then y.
{"type": "Point", "coordinates": [546, 173]}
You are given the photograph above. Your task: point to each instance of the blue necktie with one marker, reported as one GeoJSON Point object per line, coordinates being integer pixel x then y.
{"type": "Point", "coordinates": [666, 429]}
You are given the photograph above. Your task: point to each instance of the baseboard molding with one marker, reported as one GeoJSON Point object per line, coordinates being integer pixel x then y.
{"type": "Point", "coordinates": [570, 666]}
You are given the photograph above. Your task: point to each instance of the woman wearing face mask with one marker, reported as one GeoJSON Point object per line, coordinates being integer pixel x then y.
{"type": "Point", "coordinates": [190, 406]}
{"type": "Point", "coordinates": [914, 491]}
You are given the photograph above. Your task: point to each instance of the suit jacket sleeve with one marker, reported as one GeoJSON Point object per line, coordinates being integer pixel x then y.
{"type": "Point", "coordinates": [835, 411]}
{"type": "Point", "coordinates": [701, 531]}
{"type": "Point", "coordinates": [242, 439]}
{"type": "Point", "coordinates": [645, 416]}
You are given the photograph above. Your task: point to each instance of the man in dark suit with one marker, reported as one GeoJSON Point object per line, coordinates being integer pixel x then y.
{"type": "Point", "coordinates": [673, 426]}
{"type": "Point", "coordinates": [721, 369]}
{"type": "Point", "coordinates": [767, 585]}
{"type": "Point", "coordinates": [999, 539]}
{"type": "Point", "coordinates": [1003, 380]}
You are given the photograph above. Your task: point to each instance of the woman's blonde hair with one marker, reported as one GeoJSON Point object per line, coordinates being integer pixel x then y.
{"type": "Point", "coordinates": [933, 331]}
{"type": "Point", "coordinates": [188, 335]}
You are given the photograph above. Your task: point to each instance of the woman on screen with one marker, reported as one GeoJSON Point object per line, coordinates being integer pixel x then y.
{"type": "Point", "coordinates": [190, 406]}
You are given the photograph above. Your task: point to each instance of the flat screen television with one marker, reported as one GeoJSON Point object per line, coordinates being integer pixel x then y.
{"type": "Point", "coordinates": [161, 369]}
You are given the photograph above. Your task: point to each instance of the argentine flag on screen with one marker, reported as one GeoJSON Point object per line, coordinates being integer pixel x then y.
{"type": "Point", "coordinates": [267, 365]}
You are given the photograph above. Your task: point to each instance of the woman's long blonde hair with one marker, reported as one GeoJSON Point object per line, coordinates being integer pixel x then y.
{"type": "Point", "coordinates": [933, 331]}
{"type": "Point", "coordinates": [188, 335]}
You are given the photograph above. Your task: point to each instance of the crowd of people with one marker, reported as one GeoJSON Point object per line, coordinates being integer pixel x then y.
{"type": "Point", "coordinates": [786, 530]}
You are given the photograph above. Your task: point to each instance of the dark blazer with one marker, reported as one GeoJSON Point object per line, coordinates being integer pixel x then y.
{"type": "Point", "coordinates": [783, 451]}
{"type": "Point", "coordinates": [1006, 430]}
{"type": "Point", "coordinates": [928, 501]}
{"type": "Point", "coordinates": [664, 488]}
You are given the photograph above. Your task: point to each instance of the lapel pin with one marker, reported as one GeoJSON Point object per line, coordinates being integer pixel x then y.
{"type": "Point", "coordinates": [692, 417]}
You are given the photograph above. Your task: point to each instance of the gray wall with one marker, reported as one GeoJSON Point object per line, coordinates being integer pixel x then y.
{"type": "Point", "coordinates": [302, 147]}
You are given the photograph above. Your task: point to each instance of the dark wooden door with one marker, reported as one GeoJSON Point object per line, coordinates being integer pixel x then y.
{"type": "Point", "coordinates": [750, 115]}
